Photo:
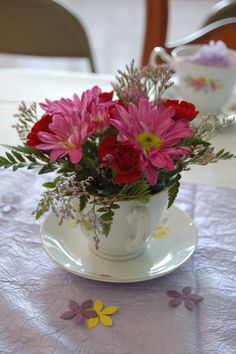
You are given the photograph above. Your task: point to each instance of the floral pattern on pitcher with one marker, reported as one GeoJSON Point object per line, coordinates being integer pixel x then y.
{"type": "Point", "coordinates": [202, 83]}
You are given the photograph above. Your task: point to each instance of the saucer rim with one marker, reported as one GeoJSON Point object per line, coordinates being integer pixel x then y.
{"type": "Point", "coordinates": [107, 279]}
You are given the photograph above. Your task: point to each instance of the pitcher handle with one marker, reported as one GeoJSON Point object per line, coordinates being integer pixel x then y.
{"type": "Point", "coordinates": [160, 52]}
{"type": "Point", "coordinates": [141, 217]}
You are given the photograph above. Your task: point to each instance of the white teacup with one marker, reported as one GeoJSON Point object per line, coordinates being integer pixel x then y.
{"type": "Point", "coordinates": [131, 228]}
{"type": "Point", "coordinates": [208, 87]}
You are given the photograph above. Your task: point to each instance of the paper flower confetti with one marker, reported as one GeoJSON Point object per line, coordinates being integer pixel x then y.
{"type": "Point", "coordinates": [187, 296]}
{"type": "Point", "coordinates": [102, 315]}
{"type": "Point", "coordinates": [79, 312]}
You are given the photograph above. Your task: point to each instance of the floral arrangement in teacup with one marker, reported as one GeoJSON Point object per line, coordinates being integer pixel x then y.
{"type": "Point", "coordinates": [107, 149]}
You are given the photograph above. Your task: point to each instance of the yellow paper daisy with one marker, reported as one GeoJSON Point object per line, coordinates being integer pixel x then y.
{"type": "Point", "coordinates": [103, 315]}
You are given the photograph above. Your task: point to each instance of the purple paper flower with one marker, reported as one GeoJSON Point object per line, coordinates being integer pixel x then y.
{"type": "Point", "coordinates": [186, 295]}
{"type": "Point", "coordinates": [79, 312]}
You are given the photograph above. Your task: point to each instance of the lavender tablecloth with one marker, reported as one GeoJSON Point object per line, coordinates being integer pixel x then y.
{"type": "Point", "coordinates": [35, 291]}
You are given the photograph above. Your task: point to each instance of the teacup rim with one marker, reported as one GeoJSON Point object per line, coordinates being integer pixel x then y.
{"type": "Point", "coordinates": [195, 46]}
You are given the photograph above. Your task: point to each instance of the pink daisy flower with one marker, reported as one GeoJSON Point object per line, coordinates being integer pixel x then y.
{"type": "Point", "coordinates": [93, 101]}
{"type": "Point", "coordinates": [152, 130]}
{"type": "Point", "coordinates": [67, 135]}
{"type": "Point", "coordinates": [101, 118]}
{"type": "Point", "coordinates": [89, 98]}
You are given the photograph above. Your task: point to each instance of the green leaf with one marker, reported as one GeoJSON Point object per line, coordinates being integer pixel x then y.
{"type": "Point", "coordinates": [32, 165]}
{"type": "Point", "coordinates": [18, 156]}
{"type": "Point", "coordinates": [46, 169]}
{"type": "Point", "coordinates": [139, 190]}
{"type": "Point", "coordinates": [30, 158]}
{"type": "Point", "coordinates": [115, 206]}
{"type": "Point", "coordinates": [106, 229]}
{"type": "Point", "coordinates": [19, 165]}
{"type": "Point", "coordinates": [51, 184]}
{"type": "Point", "coordinates": [38, 214]}
{"type": "Point", "coordinates": [10, 157]}
{"type": "Point", "coordinates": [23, 149]}
{"type": "Point", "coordinates": [224, 155]}
{"type": "Point", "coordinates": [3, 161]}
{"type": "Point", "coordinates": [61, 170]}
{"type": "Point", "coordinates": [102, 210]}
{"type": "Point", "coordinates": [173, 190]}
{"type": "Point", "coordinates": [83, 202]}
{"type": "Point", "coordinates": [15, 167]}
{"type": "Point", "coordinates": [107, 216]}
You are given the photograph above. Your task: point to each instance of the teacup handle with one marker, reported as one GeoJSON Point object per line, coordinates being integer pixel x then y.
{"type": "Point", "coordinates": [141, 217]}
{"type": "Point", "coordinates": [160, 52]}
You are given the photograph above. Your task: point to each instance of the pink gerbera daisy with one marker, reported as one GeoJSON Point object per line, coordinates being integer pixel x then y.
{"type": "Point", "coordinates": [66, 136]}
{"type": "Point", "coordinates": [93, 101]}
{"type": "Point", "coordinates": [89, 99]}
{"type": "Point", "coordinates": [154, 132]}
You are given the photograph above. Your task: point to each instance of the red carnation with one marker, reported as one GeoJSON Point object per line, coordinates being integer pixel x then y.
{"type": "Point", "coordinates": [105, 97]}
{"type": "Point", "coordinates": [183, 109]}
{"type": "Point", "coordinates": [123, 157]}
{"type": "Point", "coordinates": [40, 126]}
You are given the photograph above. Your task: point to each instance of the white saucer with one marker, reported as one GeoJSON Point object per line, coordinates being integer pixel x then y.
{"type": "Point", "coordinates": [68, 247]}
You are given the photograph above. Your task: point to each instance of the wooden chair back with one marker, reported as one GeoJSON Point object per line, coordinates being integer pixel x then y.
{"type": "Point", "coordinates": [42, 28]}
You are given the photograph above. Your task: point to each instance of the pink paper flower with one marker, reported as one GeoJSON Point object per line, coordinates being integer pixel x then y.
{"type": "Point", "coordinates": [79, 312]}
{"type": "Point", "coordinates": [66, 136]}
{"type": "Point", "coordinates": [185, 296]}
{"type": "Point", "coordinates": [152, 130]}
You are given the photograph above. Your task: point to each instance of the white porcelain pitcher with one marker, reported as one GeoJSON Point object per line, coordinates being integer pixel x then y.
{"type": "Point", "coordinates": [208, 87]}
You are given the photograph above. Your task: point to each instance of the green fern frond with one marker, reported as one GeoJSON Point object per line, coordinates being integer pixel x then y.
{"type": "Point", "coordinates": [173, 190]}
{"type": "Point", "coordinates": [224, 155]}
{"type": "Point", "coordinates": [139, 190]}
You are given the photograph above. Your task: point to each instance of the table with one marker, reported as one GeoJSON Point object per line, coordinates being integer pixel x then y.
{"type": "Point", "coordinates": [35, 291]}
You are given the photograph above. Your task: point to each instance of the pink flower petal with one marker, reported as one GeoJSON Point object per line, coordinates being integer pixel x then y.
{"type": "Point", "coordinates": [73, 305]}
{"type": "Point", "coordinates": [86, 304]}
{"type": "Point", "coordinates": [188, 304]}
{"type": "Point", "coordinates": [195, 298]}
{"type": "Point", "coordinates": [173, 293]}
{"type": "Point", "coordinates": [90, 314]}
{"type": "Point", "coordinates": [68, 315]}
{"type": "Point", "coordinates": [76, 155]}
{"type": "Point", "coordinates": [151, 174]}
{"type": "Point", "coordinates": [161, 159]}
{"type": "Point", "coordinates": [176, 301]}
{"type": "Point", "coordinates": [78, 318]}
{"type": "Point", "coordinates": [187, 290]}
{"type": "Point", "coordinates": [157, 121]}
{"type": "Point", "coordinates": [55, 154]}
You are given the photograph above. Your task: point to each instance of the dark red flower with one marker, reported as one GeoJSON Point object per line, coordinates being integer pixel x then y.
{"type": "Point", "coordinates": [123, 157]}
{"type": "Point", "coordinates": [183, 109]}
{"type": "Point", "coordinates": [40, 126]}
{"type": "Point", "coordinates": [105, 97]}
{"type": "Point", "coordinates": [113, 107]}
